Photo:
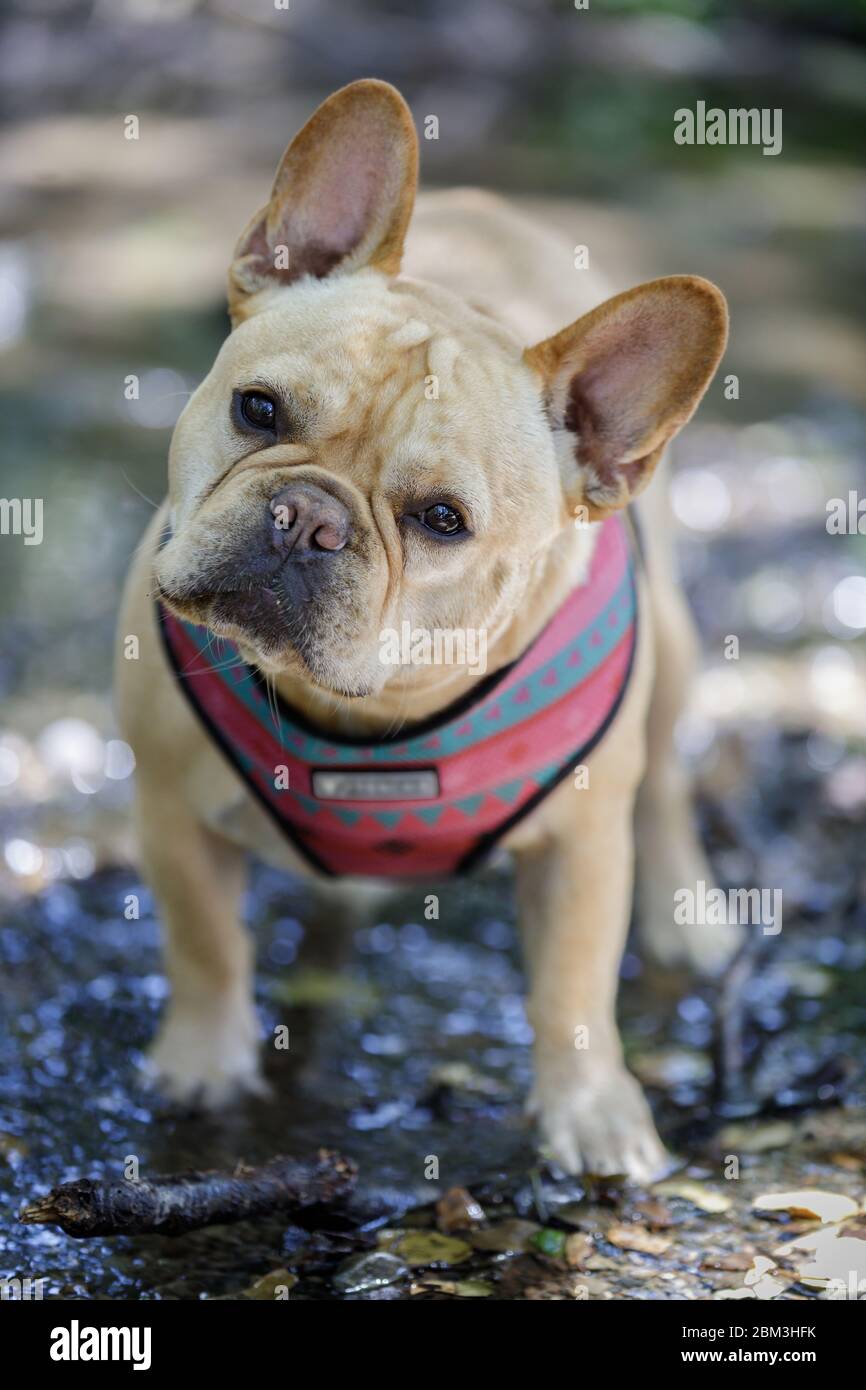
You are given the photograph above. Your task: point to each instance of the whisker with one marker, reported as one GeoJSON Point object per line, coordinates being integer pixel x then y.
{"type": "Point", "coordinates": [156, 505]}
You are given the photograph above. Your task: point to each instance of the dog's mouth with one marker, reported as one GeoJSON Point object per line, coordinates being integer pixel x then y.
{"type": "Point", "coordinates": [253, 615]}
{"type": "Point", "coordinates": [269, 632]}
{"type": "Point", "coordinates": [307, 611]}
{"type": "Point", "coordinates": [250, 606]}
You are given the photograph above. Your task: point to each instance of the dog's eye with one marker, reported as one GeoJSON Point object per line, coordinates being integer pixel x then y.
{"type": "Point", "coordinates": [258, 410]}
{"type": "Point", "coordinates": [444, 520]}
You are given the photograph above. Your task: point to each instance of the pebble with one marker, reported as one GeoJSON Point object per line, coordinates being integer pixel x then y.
{"type": "Point", "coordinates": [371, 1270]}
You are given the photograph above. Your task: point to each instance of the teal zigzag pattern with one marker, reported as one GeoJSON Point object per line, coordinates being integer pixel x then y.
{"type": "Point", "coordinates": [571, 666]}
{"type": "Point", "coordinates": [510, 793]}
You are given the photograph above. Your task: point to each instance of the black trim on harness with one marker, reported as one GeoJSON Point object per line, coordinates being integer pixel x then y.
{"type": "Point", "coordinates": [489, 841]}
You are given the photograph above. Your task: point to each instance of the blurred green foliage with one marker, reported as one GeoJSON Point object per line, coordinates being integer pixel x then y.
{"type": "Point", "coordinates": [840, 15]}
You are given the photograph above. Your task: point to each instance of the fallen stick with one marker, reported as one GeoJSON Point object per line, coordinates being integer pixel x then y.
{"type": "Point", "coordinates": [181, 1202]}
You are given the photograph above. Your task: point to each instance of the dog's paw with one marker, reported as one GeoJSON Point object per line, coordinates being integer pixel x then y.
{"type": "Point", "coordinates": [705, 949]}
{"type": "Point", "coordinates": [709, 949]}
{"type": "Point", "coordinates": [595, 1124]}
{"type": "Point", "coordinates": [206, 1061]}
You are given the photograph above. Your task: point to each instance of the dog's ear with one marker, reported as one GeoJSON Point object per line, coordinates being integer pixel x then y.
{"type": "Point", "coordinates": [622, 380]}
{"type": "Point", "coordinates": [341, 199]}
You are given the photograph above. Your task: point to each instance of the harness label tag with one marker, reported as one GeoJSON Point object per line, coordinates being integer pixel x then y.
{"type": "Point", "coordinates": [415, 784]}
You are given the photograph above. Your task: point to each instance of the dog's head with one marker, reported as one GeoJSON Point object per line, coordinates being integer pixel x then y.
{"type": "Point", "coordinates": [369, 451]}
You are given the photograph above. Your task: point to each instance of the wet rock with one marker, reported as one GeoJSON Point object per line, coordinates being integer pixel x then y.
{"type": "Point", "coordinates": [459, 1076]}
{"type": "Point", "coordinates": [756, 1138]}
{"type": "Point", "coordinates": [578, 1248]}
{"type": "Point", "coordinates": [694, 1192]}
{"type": "Point", "coordinates": [654, 1214]}
{"type": "Point", "coordinates": [294, 1240]}
{"type": "Point", "coordinates": [275, 1286]}
{"type": "Point", "coordinates": [557, 1290]}
{"type": "Point", "coordinates": [737, 1261]}
{"type": "Point", "coordinates": [458, 1211]}
{"type": "Point", "coordinates": [371, 1270]}
{"type": "Point", "coordinates": [573, 1214]}
{"type": "Point", "coordinates": [672, 1066]}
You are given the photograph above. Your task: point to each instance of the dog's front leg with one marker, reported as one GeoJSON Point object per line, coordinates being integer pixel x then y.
{"type": "Point", "coordinates": [206, 1051]}
{"type": "Point", "coordinates": [575, 900]}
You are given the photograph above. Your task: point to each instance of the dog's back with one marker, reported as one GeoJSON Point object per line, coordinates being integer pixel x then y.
{"type": "Point", "coordinates": [480, 247]}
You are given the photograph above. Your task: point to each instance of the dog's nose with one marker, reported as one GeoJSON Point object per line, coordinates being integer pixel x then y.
{"type": "Point", "coordinates": [306, 518]}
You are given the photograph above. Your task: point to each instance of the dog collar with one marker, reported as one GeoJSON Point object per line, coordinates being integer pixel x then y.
{"type": "Point", "coordinates": [432, 802]}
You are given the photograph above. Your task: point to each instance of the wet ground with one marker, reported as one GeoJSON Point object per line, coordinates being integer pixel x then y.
{"type": "Point", "coordinates": [413, 1058]}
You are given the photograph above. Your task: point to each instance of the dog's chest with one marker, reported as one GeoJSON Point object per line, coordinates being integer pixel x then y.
{"type": "Point", "coordinates": [436, 800]}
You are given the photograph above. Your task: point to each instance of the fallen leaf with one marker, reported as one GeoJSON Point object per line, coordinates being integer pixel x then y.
{"type": "Point", "coordinates": [733, 1293]}
{"type": "Point", "coordinates": [655, 1214]}
{"type": "Point", "coordinates": [828, 1256]}
{"type": "Point", "coordinates": [506, 1237]}
{"type": "Point", "coordinates": [809, 1203]}
{"type": "Point", "coordinates": [461, 1288]}
{"type": "Point", "coordinates": [852, 1163]}
{"type": "Point", "coordinates": [761, 1281]}
{"type": "Point", "coordinates": [424, 1247]}
{"type": "Point", "coordinates": [549, 1242]}
{"type": "Point", "coordinates": [757, 1139]}
{"type": "Point", "coordinates": [632, 1237]}
{"type": "Point", "coordinates": [704, 1198]}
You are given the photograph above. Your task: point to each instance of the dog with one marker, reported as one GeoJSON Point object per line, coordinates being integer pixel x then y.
{"type": "Point", "coordinates": [430, 452]}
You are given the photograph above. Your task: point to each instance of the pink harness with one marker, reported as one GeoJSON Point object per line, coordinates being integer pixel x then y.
{"type": "Point", "coordinates": [430, 803]}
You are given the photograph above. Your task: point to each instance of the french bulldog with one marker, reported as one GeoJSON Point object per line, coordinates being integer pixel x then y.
{"type": "Point", "coordinates": [321, 492]}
